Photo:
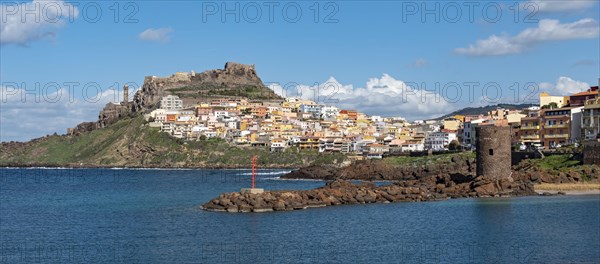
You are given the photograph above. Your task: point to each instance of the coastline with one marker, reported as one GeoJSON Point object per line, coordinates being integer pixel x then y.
{"type": "Point", "coordinates": [579, 192]}
{"type": "Point", "coordinates": [586, 188]}
{"type": "Point", "coordinates": [90, 166]}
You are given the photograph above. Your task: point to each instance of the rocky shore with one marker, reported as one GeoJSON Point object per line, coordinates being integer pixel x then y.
{"type": "Point", "coordinates": [374, 170]}
{"type": "Point", "coordinates": [426, 181]}
{"type": "Point", "coordinates": [338, 192]}
{"type": "Point", "coordinates": [459, 166]}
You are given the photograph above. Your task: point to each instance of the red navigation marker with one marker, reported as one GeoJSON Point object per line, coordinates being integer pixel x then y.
{"type": "Point", "coordinates": [253, 170]}
{"type": "Point", "coordinates": [253, 190]}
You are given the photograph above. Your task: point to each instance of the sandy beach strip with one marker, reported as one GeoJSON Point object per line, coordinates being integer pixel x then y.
{"type": "Point", "coordinates": [569, 188]}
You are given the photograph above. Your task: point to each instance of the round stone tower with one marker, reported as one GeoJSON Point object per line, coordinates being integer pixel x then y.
{"type": "Point", "coordinates": [493, 152]}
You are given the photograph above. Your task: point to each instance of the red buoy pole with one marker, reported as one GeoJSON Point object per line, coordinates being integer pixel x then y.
{"type": "Point", "coordinates": [253, 170]}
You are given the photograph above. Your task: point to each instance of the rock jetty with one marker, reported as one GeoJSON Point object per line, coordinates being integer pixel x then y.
{"type": "Point", "coordinates": [340, 192]}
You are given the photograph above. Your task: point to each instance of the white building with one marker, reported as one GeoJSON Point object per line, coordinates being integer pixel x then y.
{"type": "Point", "coordinates": [330, 111]}
{"type": "Point", "coordinates": [171, 102]}
{"type": "Point", "coordinates": [413, 146]}
{"type": "Point", "coordinates": [439, 140]}
{"type": "Point", "coordinates": [576, 121]}
{"type": "Point", "coordinates": [468, 136]}
{"type": "Point", "coordinates": [376, 119]}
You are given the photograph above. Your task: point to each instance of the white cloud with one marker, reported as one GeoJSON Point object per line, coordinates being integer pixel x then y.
{"type": "Point", "coordinates": [158, 34]}
{"type": "Point", "coordinates": [26, 22]}
{"type": "Point", "coordinates": [381, 96]}
{"type": "Point", "coordinates": [420, 63]}
{"type": "Point", "coordinates": [24, 117]}
{"type": "Point", "coordinates": [547, 30]}
{"type": "Point", "coordinates": [563, 86]}
{"type": "Point", "coordinates": [550, 6]}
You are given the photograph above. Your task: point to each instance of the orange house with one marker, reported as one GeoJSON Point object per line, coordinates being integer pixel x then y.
{"type": "Point", "coordinates": [260, 111]}
{"type": "Point", "coordinates": [171, 118]}
{"type": "Point", "coordinates": [351, 114]}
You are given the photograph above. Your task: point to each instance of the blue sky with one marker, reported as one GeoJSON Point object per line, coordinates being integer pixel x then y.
{"type": "Point", "coordinates": [372, 50]}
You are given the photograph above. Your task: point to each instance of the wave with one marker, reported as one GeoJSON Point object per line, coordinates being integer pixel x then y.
{"type": "Point", "coordinates": [259, 173]}
{"type": "Point", "coordinates": [237, 171]}
{"type": "Point", "coordinates": [162, 169]}
{"type": "Point", "coordinates": [284, 179]}
{"type": "Point", "coordinates": [43, 168]}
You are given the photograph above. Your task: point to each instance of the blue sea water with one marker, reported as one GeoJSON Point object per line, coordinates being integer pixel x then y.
{"type": "Point", "coordinates": [154, 216]}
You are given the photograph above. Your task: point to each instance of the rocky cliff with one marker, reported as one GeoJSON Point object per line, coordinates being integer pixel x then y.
{"type": "Point", "coordinates": [235, 80]}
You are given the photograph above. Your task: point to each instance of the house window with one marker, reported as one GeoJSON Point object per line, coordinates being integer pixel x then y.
{"type": "Point", "coordinates": [491, 152]}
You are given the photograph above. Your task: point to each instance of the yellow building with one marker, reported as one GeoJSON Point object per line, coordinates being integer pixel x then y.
{"type": "Point", "coordinates": [514, 118]}
{"type": "Point", "coordinates": [452, 123]}
{"type": "Point", "coordinates": [460, 117]}
{"type": "Point", "coordinates": [546, 99]}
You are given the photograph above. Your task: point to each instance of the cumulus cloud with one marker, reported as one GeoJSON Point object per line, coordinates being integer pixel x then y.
{"type": "Point", "coordinates": [158, 34]}
{"type": "Point", "coordinates": [23, 23]}
{"type": "Point", "coordinates": [26, 116]}
{"type": "Point", "coordinates": [547, 30]}
{"type": "Point", "coordinates": [563, 86]}
{"type": "Point", "coordinates": [380, 96]}
{"type": "Point", "coordinates": [551, 6]}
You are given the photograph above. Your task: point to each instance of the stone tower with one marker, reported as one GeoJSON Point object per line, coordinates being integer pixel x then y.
{"type": "Point", "coordinates": [493, 152]}
{"type": "Point", "coordinates": [126, 95]}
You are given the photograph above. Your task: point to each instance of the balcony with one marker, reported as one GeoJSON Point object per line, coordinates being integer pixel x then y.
{"type": "Point", "coordinates": [557, 116]}
{"type": "Point", "coordinates": [592, 103]}
{"type": "Point", "coordinates": [590, 125]}
{"type": "Point", "coordinates": [530, 127]}
{"type": "Point", "coordinates": [530, 137]}
{"type": "Point", "coordinates": [556, 126]}
{"type": "Point", "coordinates": [557, 136]}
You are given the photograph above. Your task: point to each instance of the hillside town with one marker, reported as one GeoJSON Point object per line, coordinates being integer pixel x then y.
{"type": "Point", "coordinates": [293, 122]}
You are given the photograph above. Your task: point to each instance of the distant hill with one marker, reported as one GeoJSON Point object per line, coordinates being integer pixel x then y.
{"type": "Point", "coordinates": [484, 109]}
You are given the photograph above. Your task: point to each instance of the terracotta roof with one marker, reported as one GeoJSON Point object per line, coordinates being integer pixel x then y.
{"type": "Point", "coordinates": [585, 93]}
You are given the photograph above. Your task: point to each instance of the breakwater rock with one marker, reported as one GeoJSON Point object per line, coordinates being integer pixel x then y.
{"type": "Point", "coordinates": [340, 192]}
{"type": "Point", "coordinates": [333, 193]}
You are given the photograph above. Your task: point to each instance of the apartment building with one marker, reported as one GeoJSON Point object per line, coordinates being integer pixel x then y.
{"type": "Point", "coordinates": [555, 126]}
{"type": "Point", "coordinates": [530, 130]}
{"type": "Point", "coordinates": [171, 102]}
{"type": "Point", "coordinates": [439, 140]}
{"type": "Point", "coordinates": [579, 99]}
{"type": "Point", "coordinates": [590, 125]}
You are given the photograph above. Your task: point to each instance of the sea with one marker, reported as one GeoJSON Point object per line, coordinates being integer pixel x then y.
{"type": "Point", "coordinates": [59, 215]}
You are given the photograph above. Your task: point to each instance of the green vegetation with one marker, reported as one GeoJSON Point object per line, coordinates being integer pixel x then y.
{"type": "Point", "coordinates": [484, 109]}
{"type": "Point", "coordinates": [560, 165]}
{"type": "Point", "coordinates": [557, 162]}
{"type": "Point", "coordinates": [210, 90]}
{"type": "Point", "coordinates": [454, 145]}
{"type": "Point", "coordinates": [441, 158]}
{"type": "Point", "coordinates": [130, 142]}
{"type": "Point", "coordinates": [551, 105]}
